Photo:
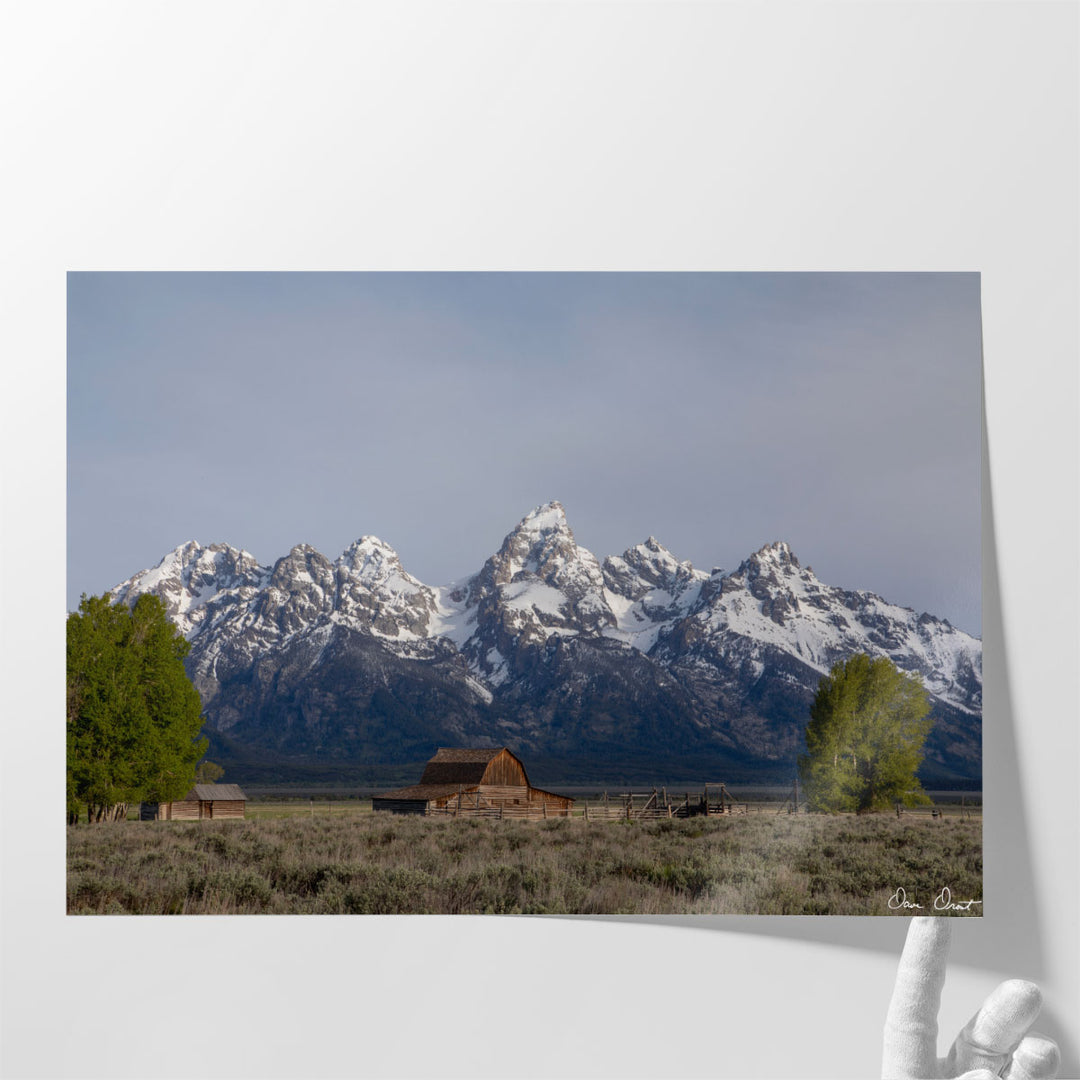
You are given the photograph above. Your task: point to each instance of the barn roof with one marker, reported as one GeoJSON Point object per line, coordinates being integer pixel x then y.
{"type": "Point", "coordinates": [553, 794]}
{"type": "Point", "coordinates": [459, 765]}
{"type": "Point", "coordinates": [466, 753]}
{"type": "Point", "coordinates": [215, 793]}
{"type": "Point", "coordinates": [424, 792]}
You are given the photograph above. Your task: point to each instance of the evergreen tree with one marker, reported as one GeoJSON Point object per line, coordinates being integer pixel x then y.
{"type": "Point", "coordinates": [864, 740]}
{"type": "Point", "coordinates": [133, 716]}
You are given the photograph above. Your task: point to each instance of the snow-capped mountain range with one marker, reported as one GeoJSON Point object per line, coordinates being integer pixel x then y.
{"type": "Point", "coordinates": [545, 648]}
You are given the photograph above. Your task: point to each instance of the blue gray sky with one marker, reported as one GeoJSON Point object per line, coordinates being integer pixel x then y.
{"type": "Point", "coordinates": [717, 412]}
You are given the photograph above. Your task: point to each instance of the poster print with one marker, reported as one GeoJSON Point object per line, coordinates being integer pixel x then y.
{"type": "Point", "coordinates": [542, 593]}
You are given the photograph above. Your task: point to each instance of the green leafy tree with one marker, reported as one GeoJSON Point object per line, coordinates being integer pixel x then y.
{"type": "Point", "coordinates": [208, 772]}
{"type": "Point", "coordinates": [864, 740]}
{"type": "Point", "coordinates": [133, 716]}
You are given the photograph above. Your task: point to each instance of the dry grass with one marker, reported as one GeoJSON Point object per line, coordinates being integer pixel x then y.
{"type": "Point", "coordinates": [356, 862]}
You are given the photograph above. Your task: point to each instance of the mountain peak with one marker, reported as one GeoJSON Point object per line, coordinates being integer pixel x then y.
{"type": "Point", "coordinates": [542, 546]}
{"type": "Point", "coordinates": [541, 537]}
{"type": "Point", "coordinates": [653, 545]}
{"type": "Point", "coordinates": [190, 577]}
{"type": "Point", "coordinates": [652, 554]}
{"type": "Point", "coordinates": [779, 551]}
{"type": "Point", "coordinates": [193, 557]}
{"type": "Point", "coordinates": [370, 544]}
{"type": "Point", "coordinates": [550, 517]}
{"type": "Point", "coordinates": [373, 560]}
{"type": "Point", "coordinates": [181, 555]}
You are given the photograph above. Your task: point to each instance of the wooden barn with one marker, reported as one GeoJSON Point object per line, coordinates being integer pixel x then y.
{"type": "Point", "coordinates": [488, 781]}
{"type": "Point", "coordinates": [202, 802]}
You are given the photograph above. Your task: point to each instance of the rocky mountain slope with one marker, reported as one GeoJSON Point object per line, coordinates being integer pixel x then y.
{"type": "Point", "coordinates": [582, 664]}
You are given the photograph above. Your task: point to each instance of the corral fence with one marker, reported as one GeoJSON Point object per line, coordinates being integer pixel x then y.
{"type": "Point", "coordinates": [714, 800]}
{"type": "Point", "coordinates": [967, 810]}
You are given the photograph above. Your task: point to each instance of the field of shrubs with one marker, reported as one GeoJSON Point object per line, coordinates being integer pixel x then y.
{"type": "Point", "coordinates": [355, 864]}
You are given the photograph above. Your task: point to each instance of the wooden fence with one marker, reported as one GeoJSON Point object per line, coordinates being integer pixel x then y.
{"type": "Point", "coordinates": [715, 799]}
{"type": "Point", "coordinates": [965, 811]}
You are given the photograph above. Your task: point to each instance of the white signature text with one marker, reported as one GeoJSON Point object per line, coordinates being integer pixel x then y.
{"type": "Point", "coordinates": [899, 900]}
{"type": "Point", "coordinates": [942, 902]}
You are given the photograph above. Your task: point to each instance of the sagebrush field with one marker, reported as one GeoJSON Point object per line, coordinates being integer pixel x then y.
{"type": "Point", "coordinates": [363, 863]}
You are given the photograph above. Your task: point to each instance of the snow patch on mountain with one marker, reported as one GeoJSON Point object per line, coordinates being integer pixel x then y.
{"type": "Point", "coordinates": [647, 589]}
{"type": "Point", "coordinates": [535, 596]}
{"type": "Point", "coordinates": [453, 619]}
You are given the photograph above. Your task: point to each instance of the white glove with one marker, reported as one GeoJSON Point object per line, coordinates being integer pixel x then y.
{"type": "Point", "coordinates": [994, 1042]}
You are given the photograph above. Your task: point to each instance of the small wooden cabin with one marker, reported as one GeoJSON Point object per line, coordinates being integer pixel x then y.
{"type": "Point", "coordinates": [202, 802]}
{"type": "Point", "coordinates": [488, 780]}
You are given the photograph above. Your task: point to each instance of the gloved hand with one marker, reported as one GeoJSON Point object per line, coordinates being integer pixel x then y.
{"type": "Point", "coordinates": [994, 1042]}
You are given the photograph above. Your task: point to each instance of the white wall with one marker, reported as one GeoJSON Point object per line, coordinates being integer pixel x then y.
{"type": "Point", "coordinates": [590, 136]}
